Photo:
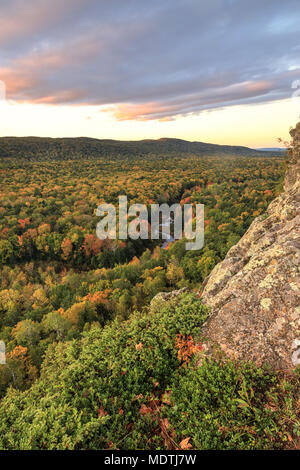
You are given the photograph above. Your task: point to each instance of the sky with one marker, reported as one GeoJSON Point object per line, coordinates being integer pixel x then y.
{"type": "Point", "coordinates": [220, 71]}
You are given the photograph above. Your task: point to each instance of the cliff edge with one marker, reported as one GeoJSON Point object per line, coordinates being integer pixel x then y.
{"type": "Point", "coordinates": [254, 294]}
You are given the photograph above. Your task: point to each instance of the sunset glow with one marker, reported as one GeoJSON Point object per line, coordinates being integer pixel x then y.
{"type": "Point", "coordinates": [238, 125]}
{"type": "Point", "coordinates": [119, 70]}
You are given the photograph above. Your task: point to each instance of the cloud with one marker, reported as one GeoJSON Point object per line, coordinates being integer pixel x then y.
{"type": "Point", "coordinates": [149, 60]}
{"type": "Point", "coordinates": [241, 93]}
{"type": "Point", "coordinates": [30, 19]}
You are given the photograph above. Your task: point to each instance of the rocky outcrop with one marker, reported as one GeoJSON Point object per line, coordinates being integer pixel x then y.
{"type": "Point", "coordinates": [166, 296]}
{"type": "Point", "coordinates": [254, 294]}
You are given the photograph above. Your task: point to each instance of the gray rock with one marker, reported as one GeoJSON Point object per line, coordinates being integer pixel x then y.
{"type": "Point", "coordinates": [254, 294]}
{"type": "Point", "coordinates": [165, 296]}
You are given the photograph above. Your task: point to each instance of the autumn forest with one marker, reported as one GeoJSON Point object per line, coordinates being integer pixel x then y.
{"type": "Point", "coordinates": [91, 362]}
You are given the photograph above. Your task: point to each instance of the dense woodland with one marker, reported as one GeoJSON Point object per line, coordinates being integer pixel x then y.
{"type": "Point", "coordinates": [89, 363]}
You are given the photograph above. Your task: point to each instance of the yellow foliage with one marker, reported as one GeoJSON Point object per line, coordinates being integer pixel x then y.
{"type": "Point", "coordinates": [44, 229]}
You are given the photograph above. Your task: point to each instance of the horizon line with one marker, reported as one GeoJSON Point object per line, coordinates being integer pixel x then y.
{"type": "Point", "coordinates": [141, 140]}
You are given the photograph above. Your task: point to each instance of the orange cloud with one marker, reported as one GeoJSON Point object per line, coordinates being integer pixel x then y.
{"type": "Point", "coordinates": [167, 119]}
{"type": "Point", "coordinates": [16, 81]}
{"type": "Point", "coordinates": [189, 104]}
{"type": "Point", "coordinates": [27, 78]}
{"type": "Point", "coordinates": [139, 112]}
{"type": "Point", "coordinates": [63, 96]}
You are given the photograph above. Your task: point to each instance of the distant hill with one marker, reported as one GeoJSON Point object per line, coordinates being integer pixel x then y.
{"type": "Point", "coordinates": [272, 149]}
{"type": "Point", "coordinates": [83, 147]}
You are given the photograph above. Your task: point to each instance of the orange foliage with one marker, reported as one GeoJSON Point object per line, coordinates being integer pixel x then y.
{"type": "Point", "coordinates": [92, 245]}
{"type": "Point", "coordinates": [67, 247]}
{"type": "Point", "coordinates": [19, 352]}
{"type": "Point", "coordinates": [185, 445]}
{"type": "Point", "coordinates": [23, 222]}
{"type": "Point", "coordinates": [222, 226]}
{"type": "Point", "coordinates": [186, 348]}
{"type": "Point", "coordinates": [100, 297]}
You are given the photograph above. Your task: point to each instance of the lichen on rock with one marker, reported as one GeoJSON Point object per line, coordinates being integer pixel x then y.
{"type": "Point", "coordinates": [162, 297]}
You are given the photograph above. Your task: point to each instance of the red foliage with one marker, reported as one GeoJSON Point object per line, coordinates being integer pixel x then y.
{"type": "Point", "coordinates": [23, 222]}
{"type": "Point", "coordinates": [101, 412]}
{"type": "Point", "coordinates": [92, 245]}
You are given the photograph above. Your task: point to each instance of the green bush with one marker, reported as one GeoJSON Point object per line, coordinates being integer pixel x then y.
{"type": "Point", "coordinates": [126, 387]}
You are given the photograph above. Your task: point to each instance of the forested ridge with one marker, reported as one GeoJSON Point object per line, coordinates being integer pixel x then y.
{"type": "Point", "coordinates": [90, 364]}
{"type": "Point", "coordinates": [38, 148]}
